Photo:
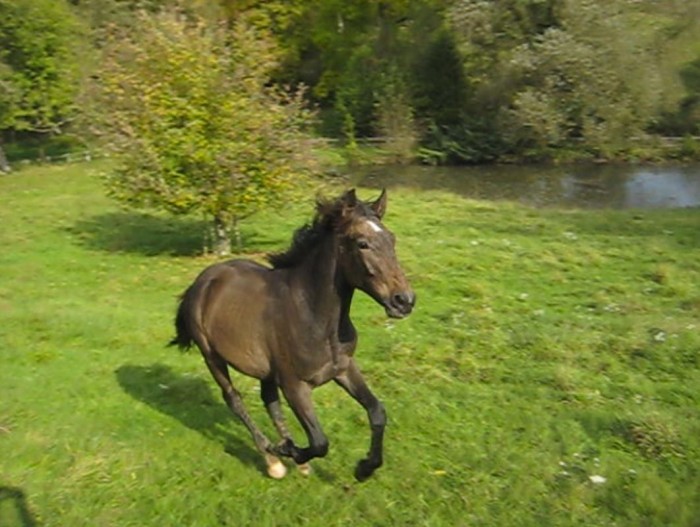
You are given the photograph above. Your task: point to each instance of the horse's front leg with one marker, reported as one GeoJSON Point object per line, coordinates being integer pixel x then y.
{"type": "Point", "coordinates": [353, 382]}
{"type": "Point", "coordinates": [271, 399]}
{"type": "Point", "coordinates": [298, 395]}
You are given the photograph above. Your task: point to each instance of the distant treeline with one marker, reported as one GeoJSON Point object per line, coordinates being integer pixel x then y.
{"type": "Point", "coordinates": [444, 81]}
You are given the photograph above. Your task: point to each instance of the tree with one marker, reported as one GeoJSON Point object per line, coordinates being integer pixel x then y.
{"type": "Point", "coordinates": [39, 72]}
{"type": "Point", "coordinates": [557, 76]}
{"type": "Point", "coordinates": [187, 107]}
{"type": "Point", "coordinates": [688, 117]}
{"type": "Point", "coordinates": [359, 59]}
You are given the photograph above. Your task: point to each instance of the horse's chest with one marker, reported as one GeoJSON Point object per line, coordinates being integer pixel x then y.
{"type": "Point", "coordinates": [326, 372]}
{"type": "Point", "coordinates": [326, 362]}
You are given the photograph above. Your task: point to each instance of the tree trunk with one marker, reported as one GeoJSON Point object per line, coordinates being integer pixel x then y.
{"type": "Point", "coordinates": [237, 234]}
{"type": "Point", "coordinates": [221, 239]}
{"type": "Point", "coordinates": [4, 165]}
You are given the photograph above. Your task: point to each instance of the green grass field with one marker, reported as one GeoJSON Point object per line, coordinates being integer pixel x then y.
{"type": "Point", "coordinates": [548, 377]}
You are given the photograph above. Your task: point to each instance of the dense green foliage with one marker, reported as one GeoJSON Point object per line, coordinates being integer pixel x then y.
{"type": "Point", "coordinates": [547, 348]}
{"type": "Point", "coordinates": [580, 77]}
{"type": "Point", "coordinates": [481, 80]}
{"type": "Point", "coordinates": [456, 81]}
{"type": "Point", "coordinates": [39, 70]}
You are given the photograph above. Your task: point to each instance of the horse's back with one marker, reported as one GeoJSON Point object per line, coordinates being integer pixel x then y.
{"type": "Point", "coordinates": [231, 301]}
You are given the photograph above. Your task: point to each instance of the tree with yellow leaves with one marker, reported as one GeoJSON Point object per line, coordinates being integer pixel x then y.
{"type": "Point", "coordinates": [188, 108]}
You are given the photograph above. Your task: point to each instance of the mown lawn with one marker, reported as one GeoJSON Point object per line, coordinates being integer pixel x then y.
{"type": "Point", "coordinates": [549, 376]}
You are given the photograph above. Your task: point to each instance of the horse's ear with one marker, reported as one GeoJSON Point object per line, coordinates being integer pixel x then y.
{"type": "Point", "coordinates": [344, 208]}
{"type": "Point", "coordinates": [379, 206]}
{"type": "Point", "coordinates": [350, 198]}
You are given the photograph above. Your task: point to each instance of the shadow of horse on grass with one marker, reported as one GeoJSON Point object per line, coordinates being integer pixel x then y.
{"type": "Point", "coordinates": [188, 399]}
{"type": "Point", "coordinates": [191, 401]}
{"type": "Point", "coordinates": [14, 511]}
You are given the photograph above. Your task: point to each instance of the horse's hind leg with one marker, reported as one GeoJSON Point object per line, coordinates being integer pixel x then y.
{"type": "Point", "coordinates": [219, 370]}
{"type": "Point", "coordinates": [271, 398]}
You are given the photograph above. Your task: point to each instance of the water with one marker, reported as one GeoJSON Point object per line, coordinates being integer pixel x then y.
{"type": "Point", "coordinates": [581, 186]}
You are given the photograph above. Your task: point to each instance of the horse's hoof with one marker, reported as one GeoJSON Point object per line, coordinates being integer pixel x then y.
{"type": "Point", "coordinates": [275, 468]}
{"type": "Point", "coordinates": [304, 469]}
{"type": "Point", "coordinates": [364, 470]}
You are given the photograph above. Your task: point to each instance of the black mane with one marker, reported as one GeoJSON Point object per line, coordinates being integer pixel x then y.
{"type": "Point", "coordinates": [305, 238]}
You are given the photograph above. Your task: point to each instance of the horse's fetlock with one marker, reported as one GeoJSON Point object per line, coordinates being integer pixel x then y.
{"type": "Point", "coordinates": [285, 448]}
{"type": "Point", "coordinates": [321, 449]}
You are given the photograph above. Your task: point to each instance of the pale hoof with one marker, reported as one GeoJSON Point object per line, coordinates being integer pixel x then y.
{"type": "Point", "coordinates": [304, 469]}
{"type": "Point", "coordinates": [275, 468]}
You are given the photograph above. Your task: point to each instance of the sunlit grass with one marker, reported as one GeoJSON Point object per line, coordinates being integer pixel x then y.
{"type": "Point", "coordinates": [549, 375]}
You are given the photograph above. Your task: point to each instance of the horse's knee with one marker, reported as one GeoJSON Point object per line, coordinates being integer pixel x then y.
{"type": "Point", "coordinates": [377, 415]}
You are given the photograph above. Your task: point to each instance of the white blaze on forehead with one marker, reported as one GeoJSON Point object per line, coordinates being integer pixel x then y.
{"type": "Point", "coordinates": [374, 226]}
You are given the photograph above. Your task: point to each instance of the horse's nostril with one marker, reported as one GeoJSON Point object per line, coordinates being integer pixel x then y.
{"type": "Point", "coordinates": [404, 300]}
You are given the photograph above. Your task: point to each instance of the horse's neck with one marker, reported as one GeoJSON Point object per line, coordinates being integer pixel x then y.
{"type": "Point", "coordinates": [326, 293]}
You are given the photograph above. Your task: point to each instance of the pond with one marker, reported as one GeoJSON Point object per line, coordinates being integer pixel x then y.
{"type": "Point", "coordinates": [578, 186]}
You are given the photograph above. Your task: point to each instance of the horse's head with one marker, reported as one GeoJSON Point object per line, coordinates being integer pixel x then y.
{"type": "Point", "coordinates": [367, 254]}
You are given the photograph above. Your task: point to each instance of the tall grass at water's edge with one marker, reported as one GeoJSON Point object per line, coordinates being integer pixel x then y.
{"type": "Point", "coordinates": [549, 375]}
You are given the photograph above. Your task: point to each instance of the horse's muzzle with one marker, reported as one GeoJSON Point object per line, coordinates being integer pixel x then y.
{"type": "Point", "coordinates": [400, 304]}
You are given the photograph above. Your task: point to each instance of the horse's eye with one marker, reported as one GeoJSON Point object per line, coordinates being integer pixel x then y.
{"type": "Point", "coordinates": [362, 244]}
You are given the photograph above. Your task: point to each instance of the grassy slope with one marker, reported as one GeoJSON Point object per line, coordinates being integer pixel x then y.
{"type": "Point", "coordinates": [547, 347]}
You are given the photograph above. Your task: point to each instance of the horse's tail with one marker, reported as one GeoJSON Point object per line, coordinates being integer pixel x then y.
{"type": "Point", "coordinates": [183, 329]}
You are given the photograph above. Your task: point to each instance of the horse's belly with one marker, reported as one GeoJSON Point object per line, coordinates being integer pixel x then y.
{"type": "Point", "coordinates": [245, 355]}
{"type": "Point", "coordinates": [235, 323]}
{"type": "Point", "coordinates": [251, 362]}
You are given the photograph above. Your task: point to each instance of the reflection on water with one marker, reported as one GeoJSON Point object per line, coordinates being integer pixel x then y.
{"type": "Point", "coordinates": [584, 186]}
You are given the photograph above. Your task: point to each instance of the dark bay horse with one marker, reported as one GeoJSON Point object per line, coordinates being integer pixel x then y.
{"type": "Point", "coordinates": [289, 325]}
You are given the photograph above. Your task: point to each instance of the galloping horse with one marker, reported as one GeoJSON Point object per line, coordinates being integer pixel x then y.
{"type": "Point", "coordinates": [289, 325]}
